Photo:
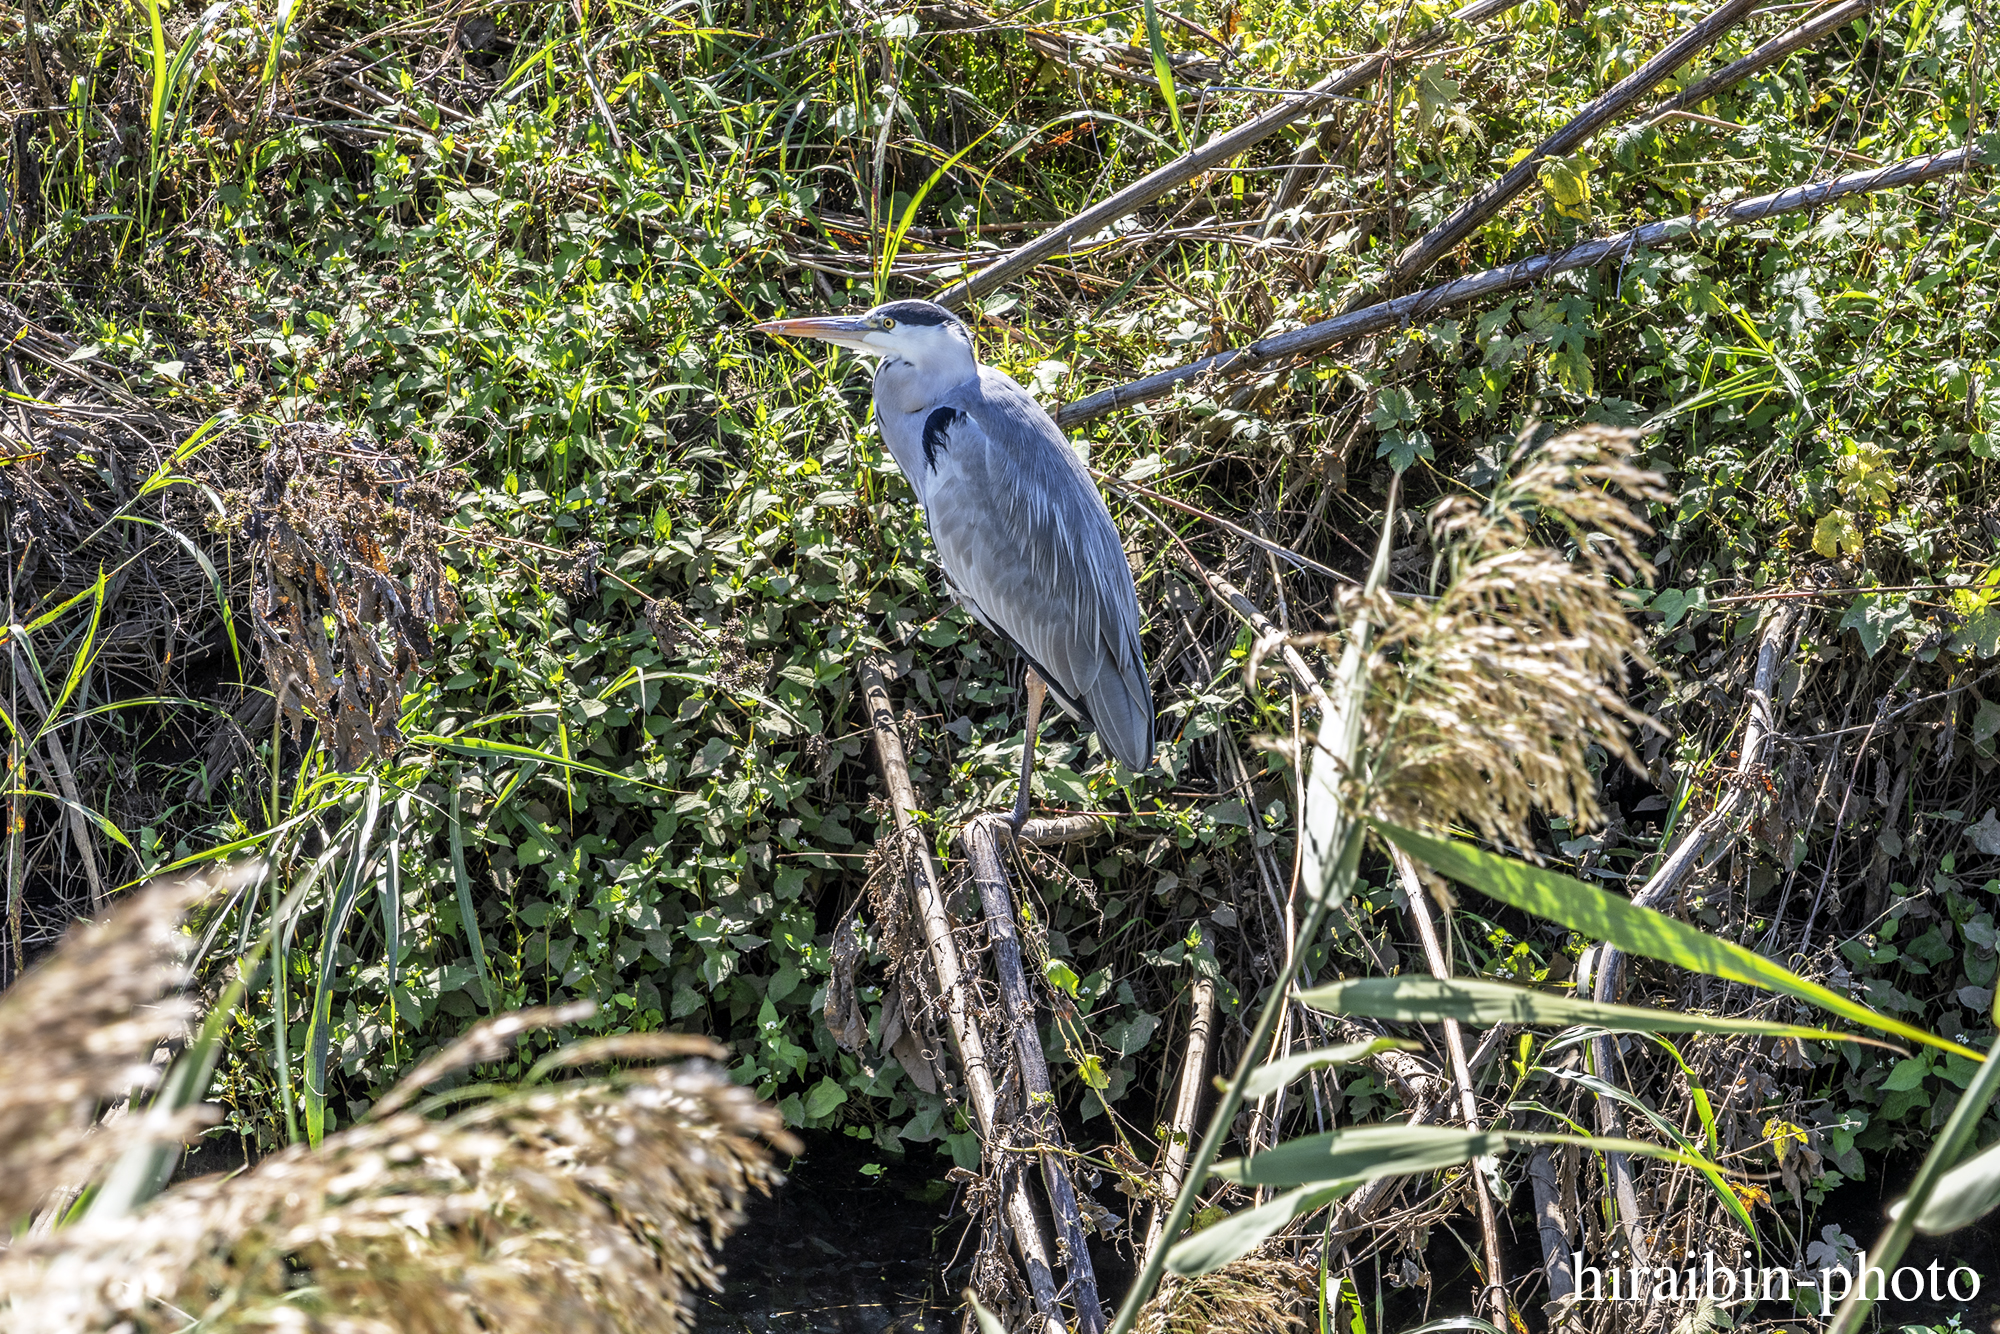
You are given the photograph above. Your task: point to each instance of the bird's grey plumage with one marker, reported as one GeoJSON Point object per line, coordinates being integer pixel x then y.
{"type": "Point", "coordinates": [1022, 533]}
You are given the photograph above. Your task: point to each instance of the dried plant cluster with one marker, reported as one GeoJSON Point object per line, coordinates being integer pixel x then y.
{"type": "Point", "coordinates": [346, 537]}
{"type": "Point", "coordinates": [1485, 703]}
{"type": "Point", "coordinates": [1264, 1293]}
{"type": "Point", "coordinates": [79, 1031]}
{"type": "Point", "coordinates": [579, 1206]}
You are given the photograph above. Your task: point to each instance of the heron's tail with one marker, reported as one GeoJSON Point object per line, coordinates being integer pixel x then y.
{"type": "Point", "coordinates": [1120, 702]}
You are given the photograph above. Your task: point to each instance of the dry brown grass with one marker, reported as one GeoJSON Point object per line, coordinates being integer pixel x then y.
{"type": "Point", "coordinates": [587, 1205]}
{"type": "Point", "coordinates": [1485, 703]}
{"type": "Point", "coordinates": [1259, 1294]}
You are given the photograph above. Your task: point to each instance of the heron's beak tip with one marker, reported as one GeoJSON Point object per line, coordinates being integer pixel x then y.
{"type": "Point", "coordinates": [845, 329]}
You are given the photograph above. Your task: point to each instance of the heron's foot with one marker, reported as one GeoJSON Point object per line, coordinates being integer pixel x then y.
{"type": "Point", "coordinates": [1019, 815]}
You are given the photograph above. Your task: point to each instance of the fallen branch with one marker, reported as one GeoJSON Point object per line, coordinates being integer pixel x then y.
{"type": "Point", "coordinates": [1187, 1108]}
{"type": "Point", "coordinates": [959, 1004]}
{"type": "Point", "coordinates": [1314, 339]}
{"type": "Point", "coordinates": [1608, 971]}
{"type": "Point", "coordinates": [1435, 244]}
{"type": "Point", "coordinates": [1814, 27]}
{"type": "Point", "coordinates": [1552, 1229]}
{"type": "Point", "coordinates": [1211, 154]}
{"type": "Point", "coordinates": [981, 839]}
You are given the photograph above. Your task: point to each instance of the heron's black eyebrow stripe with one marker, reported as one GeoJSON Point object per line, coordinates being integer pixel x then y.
{"type": "Point", "coordinates": [917, 312]}
{"type": "Point", "coordinates": [935, 426]}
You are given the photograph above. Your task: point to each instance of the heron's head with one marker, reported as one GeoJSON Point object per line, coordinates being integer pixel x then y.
{"type": "Point", "coordinates": [922, 333]}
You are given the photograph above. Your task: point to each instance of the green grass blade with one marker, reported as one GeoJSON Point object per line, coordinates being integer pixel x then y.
{"type": "Point", "coordinates": [1163, 68]}
{"type": "Point", "coordinates": [1274, 1075]}
{"type": "Point", "coordinates": [479, 747]}
{"type": "Point", "coordinates": [1367, 1152]}
{"type": "Point", "coordinates": [1963, 1195]}
{"type": "Point", "coordinates": [1237, 1235]}
{"type": "Point", "coordinates": [80, 663]}
{"type": "Point", "coordinates": [319, 1033]}
{"type": "Point", "coordinates": [1637, 930]}
{"type": "Point", "coordinates": [1416, 999]}
{"type": "Point", "coordinates": [468, 914]}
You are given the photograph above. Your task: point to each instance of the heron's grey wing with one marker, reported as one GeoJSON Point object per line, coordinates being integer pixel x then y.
{"type": "Point", "coordinates": [1025, 539]}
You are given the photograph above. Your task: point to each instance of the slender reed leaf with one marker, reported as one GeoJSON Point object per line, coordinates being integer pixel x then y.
{"type": "Point", "coordinates": [1637, 930]}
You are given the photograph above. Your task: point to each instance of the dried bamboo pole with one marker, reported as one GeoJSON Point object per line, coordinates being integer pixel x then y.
{"type": "Point", "coordinates": [1800, 35]}
{"type": "Point", "coordinates": [1314, 339]}
{"type": "Point", "coordinates": [981, 839]}
{"type": "Point", "coordinates": [1608, 966]}
{"type": "Point", "coordinates": [1187, 1107]}
{"type": "Point", "coordinates": [1551, 1229]}
{"type": "Point", "coordinates": [959, 1004]}
{"type": "Point", "coordinates": [1461, 1073]}
{"type": "Point", "coordinates": [1435, 244]}
{"type": "Point", "coordinates": [1211, 154]}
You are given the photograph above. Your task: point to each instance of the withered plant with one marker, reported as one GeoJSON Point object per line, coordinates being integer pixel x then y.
{"type": "Point", "coordinates": [580, 1205]}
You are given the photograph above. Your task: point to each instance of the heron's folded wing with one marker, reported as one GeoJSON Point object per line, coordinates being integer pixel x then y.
{"type": "Point", "coordinates": [1023, 533]}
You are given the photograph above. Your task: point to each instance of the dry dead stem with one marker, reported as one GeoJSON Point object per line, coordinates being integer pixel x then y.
{"type": "Point", "coordinates": [580, 1206]}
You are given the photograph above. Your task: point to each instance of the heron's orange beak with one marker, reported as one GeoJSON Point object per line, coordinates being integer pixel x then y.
{"type": "Point", "coordinates": [845, 330]}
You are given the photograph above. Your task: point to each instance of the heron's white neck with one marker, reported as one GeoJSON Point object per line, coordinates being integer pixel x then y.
{"type": "Point", "coordinates": [918, 374]}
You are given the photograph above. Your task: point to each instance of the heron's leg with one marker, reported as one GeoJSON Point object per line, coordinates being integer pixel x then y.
{"type": "Point", "coordinates": [1036, 693]}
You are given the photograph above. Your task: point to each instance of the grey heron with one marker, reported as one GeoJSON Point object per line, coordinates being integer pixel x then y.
{"type": "Point", "coordinates": [1025, 540]}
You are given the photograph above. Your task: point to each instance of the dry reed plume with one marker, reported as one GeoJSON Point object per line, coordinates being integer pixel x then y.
{"type": "Point", "coordinates": [580, 1206]}
{"type": "Point", "coordinates": [1484, 704]}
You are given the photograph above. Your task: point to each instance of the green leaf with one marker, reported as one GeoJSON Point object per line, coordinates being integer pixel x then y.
{"type": "Point", "coordinates": [1962, 1196]}
{"type": "Point", "coordinates": [1417, 999]}
{"type": "Point", "coordinates": [1274, 1075]}
{"type": "Point", "coordinates": [1907, 1074]}
{"type": "Point", "coordinates": [1674, 603]}
{"type": "Point", "coordinates": [1875, 617]}
{"type": "Point", "coordinates": [1637, 930]}
{"type": "Point", "coordinates": [824, 1097]}
{"type": "Point", "coordinates": [1367, 1152]}
{"type": "Point", "coordinates": [1836, 532]}
{"type": "Point", "coordinates": [1240, 1233]}
{"type": "Point", "coordinates": [1163, 68]}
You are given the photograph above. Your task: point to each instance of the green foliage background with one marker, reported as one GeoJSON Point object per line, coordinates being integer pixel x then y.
{"type": "Point", "coordinates": [679, 539]}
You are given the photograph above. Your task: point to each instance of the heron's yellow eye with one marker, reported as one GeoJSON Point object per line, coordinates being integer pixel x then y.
{"type": "Point", "coordinates": [887, 323]}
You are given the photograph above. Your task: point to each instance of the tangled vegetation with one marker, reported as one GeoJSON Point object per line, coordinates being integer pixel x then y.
{"type": "Point", "coordinates": [394, 490]}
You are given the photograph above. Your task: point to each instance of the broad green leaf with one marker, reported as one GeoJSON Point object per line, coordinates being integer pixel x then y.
{"type": "Point", "coordinates": [1836, 532]}
{"type": "Point", "coordinates": [1240, 1233]}
{"type": "Point", "coordinates": [1961, 1197]}
{"type": "Point", "coordinates": [1416, 999]}
{"type": "Point", "coordinates": [1637, 930]}
{"type": "Point", "coordinates": [1274, 1075]}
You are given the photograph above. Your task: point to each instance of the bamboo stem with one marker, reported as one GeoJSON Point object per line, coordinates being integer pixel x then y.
{"type": "Point", "coordinates": [959, 1004]}
{"type": "Point", "coordinates": [1187, 1105]}
{"type": "Point", "coordinates": [982, 843]}
{"type": "Point", "coordinates": [1417, 307]}
{"type": "Point", "coordinates": [1461, 1071]}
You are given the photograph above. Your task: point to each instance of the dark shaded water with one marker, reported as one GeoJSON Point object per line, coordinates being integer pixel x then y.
{"type": "Point", "coordinates": [833, 1251]}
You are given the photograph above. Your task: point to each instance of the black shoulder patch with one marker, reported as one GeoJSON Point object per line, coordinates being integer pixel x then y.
{"type": "Point", "coordinates": [935, 426]}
